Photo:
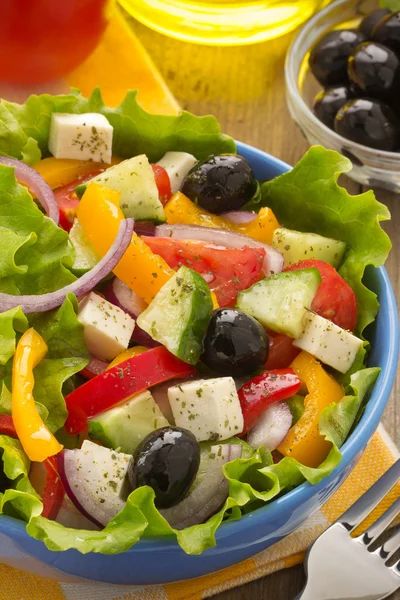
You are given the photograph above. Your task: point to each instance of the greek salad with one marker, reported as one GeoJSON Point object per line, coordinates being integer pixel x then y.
{"type": "Point", "coordinates": [180, 343]}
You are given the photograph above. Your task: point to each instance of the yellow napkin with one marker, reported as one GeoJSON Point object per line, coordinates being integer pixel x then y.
{"type": "Point", "coordinates": [120, 63]}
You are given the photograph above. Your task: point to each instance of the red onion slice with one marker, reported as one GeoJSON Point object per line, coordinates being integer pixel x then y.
{"type": "Point", "coordinates": [122, 296]}
{"type": "Point", "coordinates": [273, 262]}
{"type": "Point", "coordinates": [209, 492]}
{"type": "Point", "coordinates": [145, 228]}
{"type": "Point", "coordinates": [94, 368]}
{"type": "Point", "coordinates": [37, 185]}
{"type": "Point", "coordinates": [272, 427]}
{"type": "Point", "coordinates": [81, 286]}
{"type": "Point", "coordinates": [239, 217]}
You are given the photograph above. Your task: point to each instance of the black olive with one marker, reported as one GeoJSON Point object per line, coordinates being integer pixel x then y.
{"type": "Point", "coordinates": [375, 71]}
{"type": "Point", "coordinates": [235, 343]}
{"type": "Point", "coordinates": [327, 103]}
{"type": "Point", "coordinates": [387, 31]}
{"type": "Point", "coordinates": [369, 122]}
{"type": "Point", "coordinates": [328, 58]}
{"type": "Point", "coordinates": [368, 24]}
{"type": "Point", "coordinates": [220, 183]}
{"type": "Point", "coordinates": [167, 460]}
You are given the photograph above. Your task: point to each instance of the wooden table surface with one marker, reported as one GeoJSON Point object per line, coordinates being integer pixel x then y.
{"type": "Point", "coordinates": [244, 88]}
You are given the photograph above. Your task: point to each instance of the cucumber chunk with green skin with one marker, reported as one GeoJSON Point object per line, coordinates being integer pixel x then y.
{"type": "Point", "coordinates": [134, 179]}
{"type": "Point", "coordinates": [179, 314]}
{"type": "Point", "coordinates": [86, 256]}
{"type": "Point", "coordinates": [296, 246]}
{"type": "Point", "coordinates": [126, 425]}
{"type": "Point", "coordinates": [280, 301]}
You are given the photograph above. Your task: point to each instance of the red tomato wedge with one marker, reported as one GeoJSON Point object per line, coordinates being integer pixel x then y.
{"type": "Point", "coordinates": [334, 300]}
{"type": "Point", "coordinates": [281, 352]}
{"type": "Point", "coordinates": [163, 183]}
{"type": "Point", "coordinates": [227, 271]}
{"type": "Point", "coordinates": [68, 201]}
{"type": "Point", "coordinates": [7, 426]}
{"type": "Point", "coordinates": [126, 379]}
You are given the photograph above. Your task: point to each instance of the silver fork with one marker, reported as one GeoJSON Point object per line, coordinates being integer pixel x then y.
{"type": "Point", "coordinates": [339, 567]}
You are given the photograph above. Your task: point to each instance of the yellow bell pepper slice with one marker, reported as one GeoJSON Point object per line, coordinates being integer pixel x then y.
{"type": "Point", "coordinates": [37, 440]}
{"type": "Point", "coordinates": [304, 441]}
{"type": "Point", "coordinates": [179, 209]}
{"type": "Point", "coordinates": [140, 269]}
{"type": "Point", "coordinates": [60, 171]}
{"type": "Point", "coordinates": [126, 354]}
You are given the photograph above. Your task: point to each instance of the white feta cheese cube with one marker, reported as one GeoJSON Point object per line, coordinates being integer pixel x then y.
{"type": "Point", "coordinates": [209, 408]}
{"type": "Point", "coordinates": [107, 329]}
{"type": "Point", "coordinates": [177, 165]}
{"type": "Point", "coordinates": [329, 343]}
{"type": "Point", "coordinates": [83, 137]}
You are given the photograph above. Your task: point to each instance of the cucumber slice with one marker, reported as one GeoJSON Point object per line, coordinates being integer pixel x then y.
{"type": "Point", "coordinates": [126, 425]}
{"type": "Point", "coordinates": [85, 255]}
{"type": "Point", "coordinates": [280, 301]}
{"type": "Point", "coordinates": [134, 179]}
{"type": "Point", "coordinates": [179, 314]}
{"type": "Point", "coordinates": [296, 246]}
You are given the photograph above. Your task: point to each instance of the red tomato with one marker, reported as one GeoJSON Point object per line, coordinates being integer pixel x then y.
{"type": "Point", "coordinates": [227, 271]}
{"type": "Point", "coordinates": [163, 183]}
{"type": "Point", "coordinates": [68, 201]}
{"type": "Point", "coordinates": [42, 40]}
{"type": "Point", "coordinates": [334, 300]}
{"type": "Point", "coordinates": [281, 352]}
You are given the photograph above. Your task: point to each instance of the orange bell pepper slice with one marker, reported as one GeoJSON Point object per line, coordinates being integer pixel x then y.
{"type": "Point", "coordinates": [304, 441]}
{"type": "Point", "coordinates": [179, 209]}
{"type": "Point", "coordinates": [37, 440]}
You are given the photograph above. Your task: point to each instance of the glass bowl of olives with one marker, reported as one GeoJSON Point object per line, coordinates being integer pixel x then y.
{"type": "Point", "coordinates": [343, 87]}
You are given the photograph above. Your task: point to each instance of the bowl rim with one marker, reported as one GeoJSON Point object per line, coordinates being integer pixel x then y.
{"type": "Point", "coordinates": [353, 445]}
{"type": "Point", "coordinates": [294, 94]}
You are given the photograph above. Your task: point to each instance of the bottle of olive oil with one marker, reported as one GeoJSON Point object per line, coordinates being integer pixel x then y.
{"type": "Point", "coordinates": [223, 22]}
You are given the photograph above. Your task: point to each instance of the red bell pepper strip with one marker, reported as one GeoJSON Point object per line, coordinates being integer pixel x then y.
{"type": "Point", "coordinates": [265, 389]}
{"type": "Point", "coordinates": [131, 377]}
{"type": "Point", "coordinates": [53, 492]}
{"type": "Point", "coordinates": [7, 426]}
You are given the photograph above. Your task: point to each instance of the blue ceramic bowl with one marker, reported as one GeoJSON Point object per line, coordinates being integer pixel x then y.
{"type": "Point", "coordinates": [154, 561]}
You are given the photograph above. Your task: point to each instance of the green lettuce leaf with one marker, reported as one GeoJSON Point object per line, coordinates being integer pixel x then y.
{"type": "Point", "coordinates": [67, 355]}
{"type": "Point", "coordinates": [11, 322]}
{"type": "Point", "coordinates": [135, 131]}
{"type": "Point", "coordinates": [13, 139]}
{"type": "Point", "coordinates": [253, 480]}
{"type": "Point", "coordinates": [308, 198]}
{"type": "Point", "coordinates": [35, 254]}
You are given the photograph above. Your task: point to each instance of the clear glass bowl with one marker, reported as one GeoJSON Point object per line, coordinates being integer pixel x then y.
{"type": "Point", "coordinates": [371, 167]}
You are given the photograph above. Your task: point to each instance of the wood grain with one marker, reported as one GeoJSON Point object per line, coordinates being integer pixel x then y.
{"type": "Point", "coordinates": [244, 88]}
